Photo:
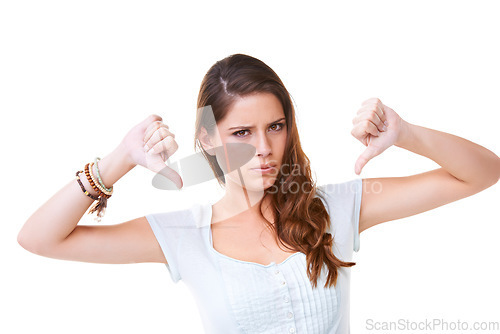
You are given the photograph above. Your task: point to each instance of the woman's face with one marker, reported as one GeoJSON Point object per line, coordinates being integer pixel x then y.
{"type": "Point", "coordinates": [258, 120]}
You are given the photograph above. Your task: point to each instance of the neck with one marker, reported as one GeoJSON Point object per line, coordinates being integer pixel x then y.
{"type": "Point", "coordinates": [239, 202]}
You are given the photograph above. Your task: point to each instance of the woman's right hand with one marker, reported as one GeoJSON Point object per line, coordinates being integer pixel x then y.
{"type": "Point", "coordinates": [149, 144]}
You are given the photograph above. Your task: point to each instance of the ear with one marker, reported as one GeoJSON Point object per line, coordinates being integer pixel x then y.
{"type": "Point", "coordinates": [206, 141]}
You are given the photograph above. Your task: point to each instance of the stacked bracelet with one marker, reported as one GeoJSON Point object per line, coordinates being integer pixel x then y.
{"type": "Point", "coordinates": [90, 178]}
{"type": "Point", "coordinates": [99, 176]}
{"type": "Point", "coordinates": [83, 188]}
{"type": "Point", "coordinates": [96, 183]}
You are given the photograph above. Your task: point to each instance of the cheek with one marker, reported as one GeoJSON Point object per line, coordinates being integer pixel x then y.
{"type": "Point", "coordinates": [282, 143]}
{"type": "Point", "coordinates": [233, 154]}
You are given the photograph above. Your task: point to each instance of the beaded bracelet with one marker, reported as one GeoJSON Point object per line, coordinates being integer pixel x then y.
{"type": "Point", "coordinates": [99, 176]}
{"type": "Point", "coordinates": [96, 183]}
{"type": "Point", "coordinates": [91, 181]}
{"type": "Point", "coordinates": [83, 188]}
{"type": "Point", "coordinates": [94, 179]}
{"type": "Point", "coordinates": [99, 206]}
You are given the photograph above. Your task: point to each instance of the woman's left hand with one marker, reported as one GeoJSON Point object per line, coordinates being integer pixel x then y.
{"type": "Point", "coordinates": [369, 129]}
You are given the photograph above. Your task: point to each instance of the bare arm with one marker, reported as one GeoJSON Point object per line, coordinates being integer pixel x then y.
{"type": "Point", "coordinates": [53, 229]}
{"type": "Point", "coordinates": [58, 217]}
{"type": "Point", "coordinates": [466, 167]}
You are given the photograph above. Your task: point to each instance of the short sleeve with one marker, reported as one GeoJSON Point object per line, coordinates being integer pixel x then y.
{"type": "Point", "coordinates": [358, 188]}
{"type": "Point", "coordinates": [167, 228]}
{"type": "Point", "coordinates": [344, 206]}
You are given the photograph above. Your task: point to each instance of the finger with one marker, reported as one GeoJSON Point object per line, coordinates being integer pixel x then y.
{"type": "Point", "coordinates": [154, 163]}
{"type": "Point", "coordinates": [173, 176]}
{"type": "Point", "coordinates": [369, 153]}
{"type": "Point", "coordinates": [370, 101]}
{"type": "Point", "coordinates": [372, 116]}
{"type": "Point", "coordinates": [376, 104]}
{"type": "Point", "coordinates": [370, 128]}
{"type": "Point", "coordinates": [380, 112]}
{"type": "Point", "coordinates": [168, 145]}
{"type": "Point", "coordinates": [157, 135]}
{"type": "Point", "coordinates": [150, 119]}
{"type": "Point", "coordinates": [377, 119]}
{"type": "Point", "coordinates": [363, 110]}
{"type": "Point", "coordinates": [152, 128]}
{"type": "Point", "coordinates": [359, 132]}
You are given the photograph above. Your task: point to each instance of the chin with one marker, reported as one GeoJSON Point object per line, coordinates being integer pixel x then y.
{"type": "Point", "coordinates": [253, 181]}
{"type": "Point", "coordinates": [259, 183]}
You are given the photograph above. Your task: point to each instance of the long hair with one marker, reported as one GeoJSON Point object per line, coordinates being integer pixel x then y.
{"type": "Point", "coordinates": [300, 218]}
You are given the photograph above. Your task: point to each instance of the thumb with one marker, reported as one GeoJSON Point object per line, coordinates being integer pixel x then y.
{"type": "Point", "coordinates": [363, 159]}
{"type": "Point", "coordinates": [172, 175]}
{"type": "Point", "coordinates": [167, 177]}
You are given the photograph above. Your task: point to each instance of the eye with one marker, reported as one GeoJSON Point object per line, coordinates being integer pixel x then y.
{"type": "Point", "coordinates": [280, 126]}
{"type": "Point", "coordinates": [238, 132]}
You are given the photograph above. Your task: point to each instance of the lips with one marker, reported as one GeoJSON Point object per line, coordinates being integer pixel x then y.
{"type": "Point", "coordinates": [265, 166]}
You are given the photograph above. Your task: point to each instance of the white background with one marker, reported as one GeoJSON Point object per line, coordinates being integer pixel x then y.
{"type": "Point", "coordinates": [76, 76]}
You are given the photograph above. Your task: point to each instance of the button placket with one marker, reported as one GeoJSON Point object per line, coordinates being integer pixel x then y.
{"type": "Point", "coordinates": [289, 316]}
{"type": "Point", "coordinates": [279, 275]}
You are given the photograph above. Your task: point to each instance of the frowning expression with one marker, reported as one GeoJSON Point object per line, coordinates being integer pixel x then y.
{"type": "Point", "coordinates": [258, 120]}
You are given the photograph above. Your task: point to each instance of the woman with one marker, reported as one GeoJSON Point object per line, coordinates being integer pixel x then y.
{"type": "Point", "coordinates": [273, 255]}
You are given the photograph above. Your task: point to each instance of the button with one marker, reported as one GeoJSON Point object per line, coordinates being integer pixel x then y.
{"type": "Point", "coordinates": [283, 283]}
{"type": "Point", "coordinates": [291, 330]}
{"type": "Point", "coordinates": [290, 315]}
{"type": "Point", "coordinates": [285, 299]}
{"type": "Point", "coordinates": [277, 272]}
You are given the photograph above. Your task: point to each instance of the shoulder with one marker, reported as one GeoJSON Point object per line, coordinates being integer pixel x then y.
{"type": "Point", "coordinates": [343, 203]}
{"type": "Point", "coordinates": [341, 195]}
{"type": "Point", "coordinates": [189, 216]}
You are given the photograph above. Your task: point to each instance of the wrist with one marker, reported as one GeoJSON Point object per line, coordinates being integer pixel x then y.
{"type": "Point", "coordinates": [122, 155]}
{"type": "Point", "coordinates": [405, 137]}
{"type": "Point", "coordinates": [115, 165]}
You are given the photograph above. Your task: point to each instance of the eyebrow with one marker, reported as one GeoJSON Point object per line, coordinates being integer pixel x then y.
{"type": "Point", "coordinates": [250, 127]}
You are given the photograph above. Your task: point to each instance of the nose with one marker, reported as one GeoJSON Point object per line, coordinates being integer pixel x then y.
{"type": "Point", "coordinates": [262, 146]}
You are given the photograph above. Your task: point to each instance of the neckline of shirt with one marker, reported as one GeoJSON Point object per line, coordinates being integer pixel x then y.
{"type": "Point", "coordinates": [208, 217]}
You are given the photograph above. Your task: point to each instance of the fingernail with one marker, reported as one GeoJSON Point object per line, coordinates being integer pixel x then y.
{"type": "Point", "coordinates": [385, 122]}
{"type": "Point", "coordinates": [384, 128]}
{"type": "Point", "coordinates": [146, 148]}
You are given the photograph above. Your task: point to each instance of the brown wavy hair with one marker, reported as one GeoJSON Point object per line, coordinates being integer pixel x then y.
{"type": "Point", "coordinates": [300, 218]}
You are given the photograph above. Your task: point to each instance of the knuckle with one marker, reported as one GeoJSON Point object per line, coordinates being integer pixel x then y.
{"type": "Point", "coordinates": [163, 131]}
{"type": "Point", "coordinates": [155, 117]}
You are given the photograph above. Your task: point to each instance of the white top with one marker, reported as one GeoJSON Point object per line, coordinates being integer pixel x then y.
{"type": "Point", "coordinates": [235, 296]}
